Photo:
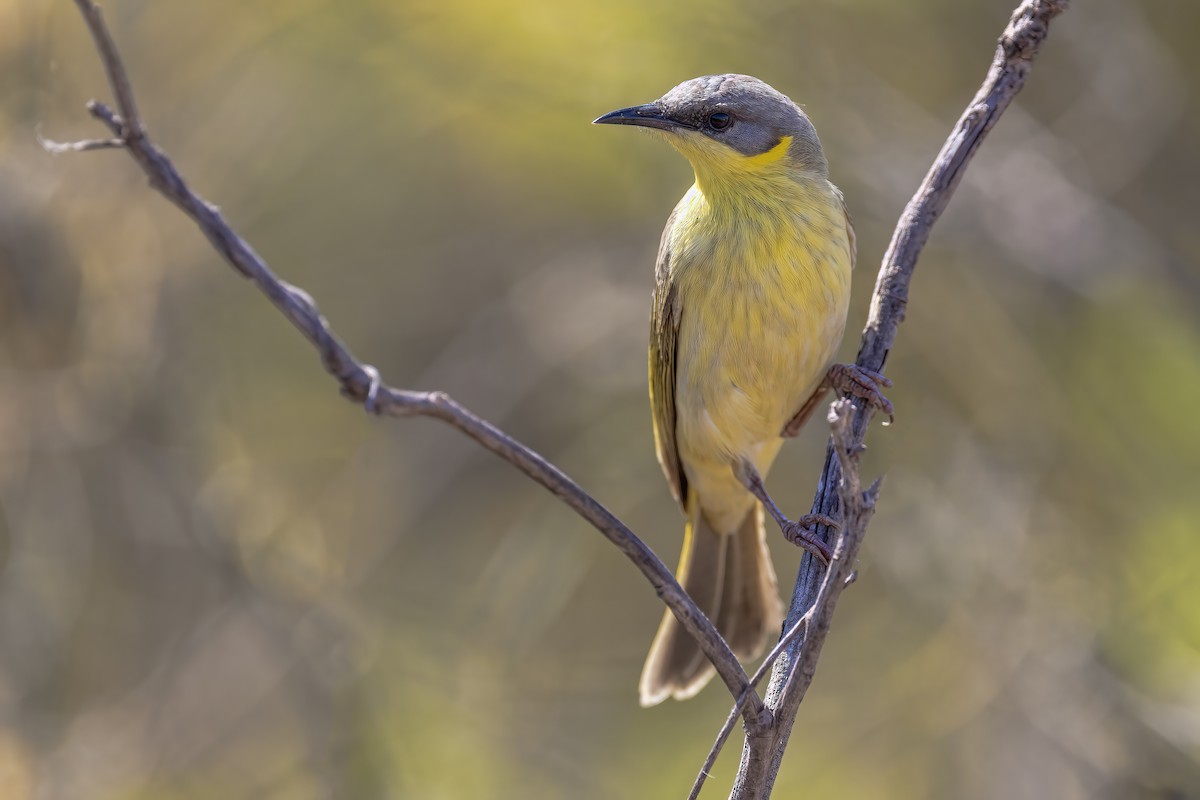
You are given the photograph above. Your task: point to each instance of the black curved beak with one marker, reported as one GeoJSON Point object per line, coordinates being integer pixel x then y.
{"type": "Point", "coordinates": [649, 115]}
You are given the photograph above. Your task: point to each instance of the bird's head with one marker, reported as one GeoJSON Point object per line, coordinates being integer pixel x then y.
{"type": "Point", "coordinates": [730, 127]}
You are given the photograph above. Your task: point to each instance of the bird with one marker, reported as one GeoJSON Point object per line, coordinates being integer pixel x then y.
{"type": "Point", "coordinates": [751, 295]}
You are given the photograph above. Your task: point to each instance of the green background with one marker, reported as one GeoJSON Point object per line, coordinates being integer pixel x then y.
{"type": "Point", "coordinates": [220, 579]}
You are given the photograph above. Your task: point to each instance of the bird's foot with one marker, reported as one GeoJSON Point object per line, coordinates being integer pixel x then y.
{"type": "Point", "coordinates": [802, 533]}
{"type": "Point", "coordinates": [861, 382]}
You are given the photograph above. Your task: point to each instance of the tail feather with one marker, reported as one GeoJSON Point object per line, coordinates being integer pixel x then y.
{"type": "Point", "coordinates": [731, 579]}
{"type": "Point", "coordinates": [750, 610]}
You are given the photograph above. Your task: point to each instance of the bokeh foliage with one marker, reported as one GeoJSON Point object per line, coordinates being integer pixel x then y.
{"type": "Point", "coordinates": [218, 579]}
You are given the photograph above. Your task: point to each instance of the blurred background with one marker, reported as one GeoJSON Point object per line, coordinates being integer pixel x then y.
{"type": "Point", "coordinates": [220, 579]}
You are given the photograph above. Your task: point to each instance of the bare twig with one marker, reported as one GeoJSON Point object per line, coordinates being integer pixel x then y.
{"type": "Point", "coordinates": [51, 146]}
{"type": "Point", "coordinates": [735, 712]}
{"type": "Point", "coordinates": [360, 382]}
{"type": "Point", "coordinates": [795, 666]}
{"type": "Point", "coordinates": [857, 508]}
{"type": "Point", "coordinates": [131, 127]}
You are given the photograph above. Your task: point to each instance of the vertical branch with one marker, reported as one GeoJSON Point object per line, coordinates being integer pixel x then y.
{"type": "Point", "coordinates": [1018, 45]}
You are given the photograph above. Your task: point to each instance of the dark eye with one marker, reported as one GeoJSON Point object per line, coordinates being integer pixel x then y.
{"type": "Point", "coordinates": [719, 121]}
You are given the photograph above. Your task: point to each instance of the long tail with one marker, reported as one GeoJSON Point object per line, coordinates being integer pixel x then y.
{"type": "Point", "coordinates": [730, 577]}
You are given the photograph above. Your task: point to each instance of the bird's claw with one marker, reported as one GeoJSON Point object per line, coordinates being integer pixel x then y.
{"type": "Point", "coordinates": [802, 533]}
{"type": "Point", "coordinates": [861, 382]}
{"type": "Point", "coordinates": [813, 520]}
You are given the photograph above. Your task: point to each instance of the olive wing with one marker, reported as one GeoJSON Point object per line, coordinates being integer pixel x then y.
{"type": "Point", "coordinates": [665, 313]}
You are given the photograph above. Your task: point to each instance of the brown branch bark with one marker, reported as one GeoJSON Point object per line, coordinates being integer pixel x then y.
{"type": "Point", "coordinates": [360, 382]}
{"type": "Point", "coordinates": [815, 594]}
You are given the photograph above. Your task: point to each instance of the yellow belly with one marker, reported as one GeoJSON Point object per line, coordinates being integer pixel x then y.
{"type": "Point", "coordinates": [764, 304]}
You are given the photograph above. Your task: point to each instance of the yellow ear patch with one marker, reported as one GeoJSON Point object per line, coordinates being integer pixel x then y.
{"type": "Point", "coordinates": [770, 157]}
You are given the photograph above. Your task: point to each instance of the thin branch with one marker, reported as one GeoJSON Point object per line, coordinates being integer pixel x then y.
{"type": "Point", "coordinates": [360, 382]}
{"type": "Point", "coordinates": [51, 146]}
{"type": "Point", "coordinates": [118, 79]}
{"type": "Point", "coordinates": [735, 712]}
{"type": "Point", "coordinates": [857, 509]}
{"type": "Point", "coordinates": [793, 671]}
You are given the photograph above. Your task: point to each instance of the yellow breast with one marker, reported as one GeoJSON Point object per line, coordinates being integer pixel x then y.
{"type": "Point", "coordinates": [764, 285]}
